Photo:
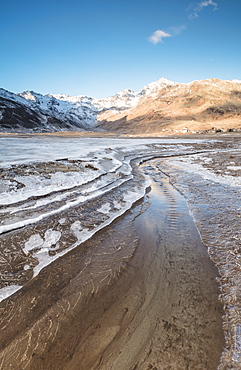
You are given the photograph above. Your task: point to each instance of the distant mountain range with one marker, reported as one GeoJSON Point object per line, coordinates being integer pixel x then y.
{"type": "Point", "coordinates": [161, 106]}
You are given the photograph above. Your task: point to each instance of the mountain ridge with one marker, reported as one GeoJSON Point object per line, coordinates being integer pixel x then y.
{"type": "Point", "coordinates": [155, 108]}
{"type": "Point", "coordinates": [206, 105]}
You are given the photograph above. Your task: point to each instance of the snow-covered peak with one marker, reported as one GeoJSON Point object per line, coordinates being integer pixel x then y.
{"type": "Point", "coordinates": [124, 99]}
{"type": "Point", "coordinates": [30, 95]}
{"type": "Point", "coordinates": [77, 111]}
{"type": "Point", "coordinates": [11, 96]}
{"type": "Point", "coordinates": [154, 88]}
{"type": "Point", "coordinates": [73, 99]}
{"type": "Point", "coordinates": [126, 93]}
{"type": "Point", "coordinates": [44, 102]}
{"type": "Point", "coordinates": [235, 81]}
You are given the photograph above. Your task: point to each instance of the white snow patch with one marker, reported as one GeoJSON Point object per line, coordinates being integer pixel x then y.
{"type": "Point", "coordinates": [51, 237]}
{"type": "Point", "coordinates": [62, 221]}
{"type": "Point", "coordinates": [35, 241]}
{"type": "Point", "coordinates": [105, 208]}
{"type": "Point", "coordinates": [234, 168]}
{"type": "Point", "coordinates": [116, 204]}
{"type": "Point", "coordinates": [77, 229]}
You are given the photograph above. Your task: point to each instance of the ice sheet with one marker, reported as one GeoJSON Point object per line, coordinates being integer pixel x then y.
{"type": "Point", "coordinates": [42, 149]}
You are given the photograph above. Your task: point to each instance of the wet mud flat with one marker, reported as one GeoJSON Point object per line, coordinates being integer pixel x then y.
{"type": "Point", "coordinates": [215, 203]}
{"type": "Point", "coordinates": [140, 294]}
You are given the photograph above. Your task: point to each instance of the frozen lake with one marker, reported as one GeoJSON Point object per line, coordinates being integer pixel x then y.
{"type": "Point", "coordinates": [15, 150]}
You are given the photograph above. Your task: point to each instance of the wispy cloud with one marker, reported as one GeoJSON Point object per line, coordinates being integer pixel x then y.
{"type": "Point", "coordinates": [195, 9]}
{"type": "Point", "coordinates": [158, 36]}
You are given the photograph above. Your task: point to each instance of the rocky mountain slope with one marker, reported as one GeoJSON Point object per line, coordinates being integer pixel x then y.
{"type": "Point", "coordinates": [197, 106]}
{"type": "Point", "coordinates": [161, 106]}
{"type": "Point", "coordinates": [33, 112]}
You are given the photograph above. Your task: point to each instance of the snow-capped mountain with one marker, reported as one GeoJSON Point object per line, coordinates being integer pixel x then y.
{"type": "Point", "coordinates": [75, 111]}
{"type": "Point", "coordinates": [206, 105]}
{"type": "Point", "coordinates": [163, 99]}
{"type": "Point", "coordinates": [123, 100]}
{"type": "Point", "coordinates": [32, 111]}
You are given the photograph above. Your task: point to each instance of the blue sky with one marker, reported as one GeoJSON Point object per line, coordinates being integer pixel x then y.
{"type": "Point", "coordinates": [99, 47]}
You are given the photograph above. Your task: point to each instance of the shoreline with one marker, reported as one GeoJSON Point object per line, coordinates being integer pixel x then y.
{"type": "Point", "coordinates": [113, 135]}
{"type": "Point", "coordinates": [118, 321]}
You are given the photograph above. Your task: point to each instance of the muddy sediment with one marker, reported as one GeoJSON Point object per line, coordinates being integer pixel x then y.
{"type": "Point", "coordinates": [153, 307]}
{"type": "Point", "coordinates": [216, 209]}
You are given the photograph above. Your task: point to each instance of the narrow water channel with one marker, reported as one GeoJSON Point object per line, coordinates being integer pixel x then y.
{"type": "Point", "coordinates": [182, 292]}
{"type": "Point", "coordinates": [160, 309]}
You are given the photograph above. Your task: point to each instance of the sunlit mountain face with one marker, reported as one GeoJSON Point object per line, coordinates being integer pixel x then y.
{"type": "Point", "coordinates": [161, 106]}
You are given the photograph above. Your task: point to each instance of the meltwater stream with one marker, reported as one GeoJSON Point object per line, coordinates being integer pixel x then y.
{"type": "Point", "coordinates": [140, 294]}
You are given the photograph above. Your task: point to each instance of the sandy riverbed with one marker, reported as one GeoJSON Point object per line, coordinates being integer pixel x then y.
{"type": "Point", "coordinates": [158, 310]}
